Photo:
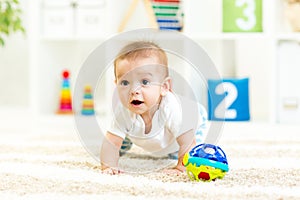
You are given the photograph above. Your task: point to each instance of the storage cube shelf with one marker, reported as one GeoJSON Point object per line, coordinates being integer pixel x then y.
{"type": "Point", "coordinates": [64, 32]}
{"type": "Point", "coordinates": [73, 18]}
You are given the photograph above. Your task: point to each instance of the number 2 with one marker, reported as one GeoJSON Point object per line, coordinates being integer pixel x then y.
{"type": "Point", "coordinates": [232, 93]}
{"type": "Point", "coordinates": [248, 12]}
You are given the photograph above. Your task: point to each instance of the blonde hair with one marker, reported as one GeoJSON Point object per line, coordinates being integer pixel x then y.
{"type": "Point", "coordinates": [140, 49]}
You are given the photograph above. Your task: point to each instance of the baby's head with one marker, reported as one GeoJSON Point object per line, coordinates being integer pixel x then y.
{"type": "Point", "coordinates": [141, 75]}
{"type": "Point", "coordinates": [142, 50]}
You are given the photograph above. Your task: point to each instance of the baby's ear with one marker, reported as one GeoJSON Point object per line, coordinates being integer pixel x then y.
{"type": "Point", "coordinates": [166, 86]}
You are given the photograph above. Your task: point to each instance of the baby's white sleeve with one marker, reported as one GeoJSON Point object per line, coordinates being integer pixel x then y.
{"type": "Point", "coordinates": [118, 125]}
{"type": "Point", "coordinates": [186, 114]}
{"type": "Point", "coordinates": [171, 110]}
{"type": "Point", "coordinates": [174, 121]}
{"type": "Point", "coordinates": [116, 130]}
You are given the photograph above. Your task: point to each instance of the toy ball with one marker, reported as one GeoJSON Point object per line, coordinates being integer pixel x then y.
{"type": "Point", "coordinates": [205, 162]}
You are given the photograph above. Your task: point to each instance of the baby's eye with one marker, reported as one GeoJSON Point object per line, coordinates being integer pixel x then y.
{"type": "Point", "coordinates": [145, 82]}
{"type": "Point", "coordinates": [124, 83]}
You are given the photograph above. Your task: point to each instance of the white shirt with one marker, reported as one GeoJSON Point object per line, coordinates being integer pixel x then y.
{"type": "Point", "coordinates": [175, 116]}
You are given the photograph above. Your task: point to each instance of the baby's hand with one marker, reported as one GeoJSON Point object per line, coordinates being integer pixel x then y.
{"type": "Point", "coordinates": [179, 169]}
{"type": "Point", "coordinates": [111, 171]}
{"type": "Point", "coordinates": [172, 171]}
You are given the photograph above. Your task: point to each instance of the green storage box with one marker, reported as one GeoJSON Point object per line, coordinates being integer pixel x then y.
{"type": "Point", "coordinates": [242, 16]}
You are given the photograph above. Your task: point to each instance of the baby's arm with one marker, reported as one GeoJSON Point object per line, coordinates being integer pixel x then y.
{"type": "Point", "coordinates": [186, 142]}
{"type": "Point", "coordinates": [109, 154]}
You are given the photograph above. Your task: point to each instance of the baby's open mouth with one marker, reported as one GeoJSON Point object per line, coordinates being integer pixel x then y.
{"type": "Point", "coordinates": [136, 102]}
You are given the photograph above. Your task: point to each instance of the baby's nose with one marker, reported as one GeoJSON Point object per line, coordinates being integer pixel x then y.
{"type": "Point", "coordinates": [136, 88]}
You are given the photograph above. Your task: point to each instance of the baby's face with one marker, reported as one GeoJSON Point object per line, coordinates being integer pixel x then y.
{"type": "Point", "coordinates": [140, 84]}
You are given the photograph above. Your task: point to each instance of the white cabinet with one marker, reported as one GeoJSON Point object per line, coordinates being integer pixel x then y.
{"type": "Point", "coordinates": [70, 29]}
{"type": "Point", "coordinates": [286, 67]}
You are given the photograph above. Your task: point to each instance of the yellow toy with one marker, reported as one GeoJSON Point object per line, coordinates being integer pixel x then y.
{"type": "Point", "coordinates": [206, 162]}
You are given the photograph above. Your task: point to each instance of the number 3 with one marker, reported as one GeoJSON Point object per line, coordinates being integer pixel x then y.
{"type": "Point", "coordinates": [232, 93]}
{"type": "Point", "coordinates": [249, 12]}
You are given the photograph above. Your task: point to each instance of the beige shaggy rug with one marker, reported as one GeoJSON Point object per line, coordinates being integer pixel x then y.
{"type": "Point", "coordinates": [49, 162]}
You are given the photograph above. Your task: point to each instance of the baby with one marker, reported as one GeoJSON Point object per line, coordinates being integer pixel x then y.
{"type": "Point", "coordinates": [149, 112]}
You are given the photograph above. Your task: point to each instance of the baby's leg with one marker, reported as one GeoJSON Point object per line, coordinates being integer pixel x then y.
{"type": "Point", "coordinates": [126, 146]}
{"type": "Point", "coordinates": [202, 126]}
{"type": "Point", "coordinates": [173, 156]}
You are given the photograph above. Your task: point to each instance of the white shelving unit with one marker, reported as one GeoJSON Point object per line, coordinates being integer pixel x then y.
{"type": "Point", "coordinates": [235, 54]}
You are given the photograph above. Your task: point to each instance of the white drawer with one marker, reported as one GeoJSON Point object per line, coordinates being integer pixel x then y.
{"type": "Point", "coordinates": [58, 22]}
{"type": "Point", "coordinates": [90, 22]}
{"type": "Point", "coordinates": [91, 3]}
{"type": "Point", "coordinates": [57, 3]}
{"type": "Point", "coordinates": [288, 82]}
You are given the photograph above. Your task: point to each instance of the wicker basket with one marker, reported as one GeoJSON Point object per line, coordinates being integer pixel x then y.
{"type": "Point", "coordinates": [292, 12]}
